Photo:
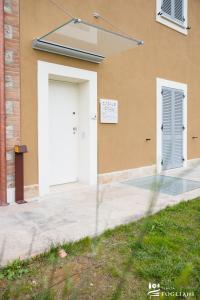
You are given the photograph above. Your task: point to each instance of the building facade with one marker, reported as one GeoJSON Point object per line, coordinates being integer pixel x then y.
{"type": "Point", "coordinates": [52, 102]}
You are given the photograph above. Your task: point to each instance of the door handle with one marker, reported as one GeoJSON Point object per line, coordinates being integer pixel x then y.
{"type": "Point", "coordinates": [75, 130]}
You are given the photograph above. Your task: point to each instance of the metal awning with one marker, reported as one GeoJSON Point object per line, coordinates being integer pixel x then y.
{"type": "Point", "coordinates": [79, 39]}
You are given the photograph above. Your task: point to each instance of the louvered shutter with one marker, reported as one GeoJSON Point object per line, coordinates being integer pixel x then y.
{"type": "Point", "coordinates": [167, 7]}
{"type": "Point", "coordinates": [167, 128]}
{"type": "Point", "coordinates": [178, 129]}
{"type": "Point", "coordinates": [178, 10]}
{"type": "Point", "coordinates": [173, 9]}
{"type": "Point", "coordinates": [172, 132]}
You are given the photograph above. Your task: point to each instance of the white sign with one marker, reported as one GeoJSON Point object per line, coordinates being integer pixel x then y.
{"type": "Point", "coordinates": [109, 111]}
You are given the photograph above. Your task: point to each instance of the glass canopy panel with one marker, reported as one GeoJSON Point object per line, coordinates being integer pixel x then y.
{"type": "Point", "coordinates": [79, 35]}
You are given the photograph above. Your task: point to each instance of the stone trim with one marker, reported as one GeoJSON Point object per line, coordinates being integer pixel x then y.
{"type": "Point", "coordinates": [193, 163]}
{"type": "Point", "coordinates": [31, 191]}
{"type": "Point", "coordinates": [123, 175]}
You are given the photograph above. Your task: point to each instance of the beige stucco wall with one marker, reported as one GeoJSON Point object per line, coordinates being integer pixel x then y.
{"type": "Point", "coordinates": [129, 77]}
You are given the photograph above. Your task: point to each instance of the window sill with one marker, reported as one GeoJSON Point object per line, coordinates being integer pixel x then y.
{"type": "Point", "coordinates": [171, 24]}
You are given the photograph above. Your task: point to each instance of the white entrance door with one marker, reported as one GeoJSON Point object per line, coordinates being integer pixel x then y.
{"type": "Point", "coordinates": [63, 132]}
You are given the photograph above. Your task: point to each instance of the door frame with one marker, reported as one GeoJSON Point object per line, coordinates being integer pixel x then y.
{"type": "Point", "coordinates": [174, 85]}
{"type": "Point", "coordinates": [46, 71]}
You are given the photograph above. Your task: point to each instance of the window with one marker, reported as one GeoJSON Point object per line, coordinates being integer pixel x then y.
{"type": "Point", "coordinates": [173, 13]}
{"type": "Point", "coordinates": [171, 124]}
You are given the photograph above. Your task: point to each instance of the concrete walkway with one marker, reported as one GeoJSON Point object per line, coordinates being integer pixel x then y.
{"type": "Point", "coordinates": [69, 213]}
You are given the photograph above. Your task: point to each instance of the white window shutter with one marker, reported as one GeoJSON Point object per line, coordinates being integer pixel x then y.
{"type": "Point", "coordinates": [167, 127]}
{"type": "Point", "coordinates": [179, 10]}
{"type": "Point", "coordinates": [172, 128]}
{"type": "Point", "coordinates": [173, 9]}
{"type": "Point", "coordinates": [166, 7]}
{"type": "Point", "coordinates": [178, 129]}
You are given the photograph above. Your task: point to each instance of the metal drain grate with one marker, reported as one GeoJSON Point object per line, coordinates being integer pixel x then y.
{"type": "Point", "coordinates": [165, 184]}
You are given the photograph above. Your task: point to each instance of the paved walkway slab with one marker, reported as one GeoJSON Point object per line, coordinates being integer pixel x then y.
{"type": "Point", "coordinates": [69, 214]}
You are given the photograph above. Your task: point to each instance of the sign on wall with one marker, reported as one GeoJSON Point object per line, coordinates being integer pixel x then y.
{"type": "Point", "coordinates": [108, 111]}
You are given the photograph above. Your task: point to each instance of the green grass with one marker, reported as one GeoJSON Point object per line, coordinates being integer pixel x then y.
{"type": "Point", "coordinates": [119, 264]}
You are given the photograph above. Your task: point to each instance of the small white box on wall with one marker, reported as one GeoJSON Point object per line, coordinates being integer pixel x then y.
{"type": "Point", "coordinates": [108, 111]}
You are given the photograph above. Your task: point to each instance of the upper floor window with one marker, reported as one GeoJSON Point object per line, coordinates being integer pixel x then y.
{"type": "Point", "coordinates": [173, 13]}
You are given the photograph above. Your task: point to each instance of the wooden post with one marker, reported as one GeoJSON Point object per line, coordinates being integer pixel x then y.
{"type": "Point", "coordinates": [19, 173]}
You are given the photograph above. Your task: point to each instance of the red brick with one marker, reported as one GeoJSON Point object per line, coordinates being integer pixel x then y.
{"type": "Point", "coordinates": [11, 92]}
{"type": "Point", "coordinates": [3, 165]}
